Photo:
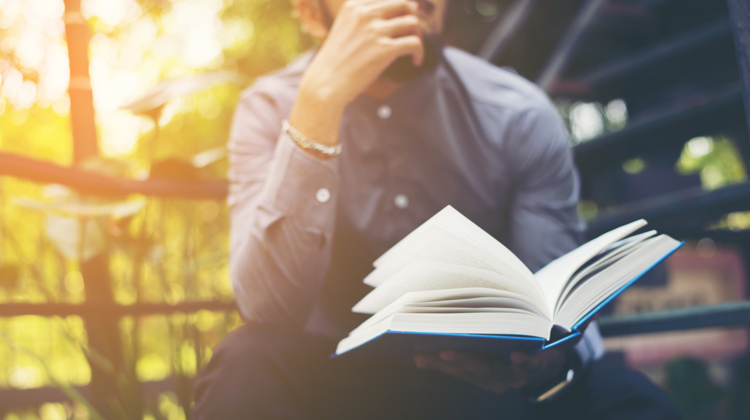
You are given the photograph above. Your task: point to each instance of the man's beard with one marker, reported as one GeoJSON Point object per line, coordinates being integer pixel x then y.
{"type": "Point", "coordinates": [403, 69]}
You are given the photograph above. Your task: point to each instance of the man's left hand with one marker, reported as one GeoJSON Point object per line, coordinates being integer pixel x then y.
{"type": "Point", "coordinates": [491, 373]}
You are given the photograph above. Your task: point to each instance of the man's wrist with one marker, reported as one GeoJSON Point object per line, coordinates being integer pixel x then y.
{"type": "Point", "coordinates": [316, 119]}
{"type": "Point", "coordinates": [308, 144]}
{"type": "Point", "coordinates": [326, 95]}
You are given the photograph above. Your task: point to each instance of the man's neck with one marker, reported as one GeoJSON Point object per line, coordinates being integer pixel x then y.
{"type": "Point", "coordinates": [383, 89]}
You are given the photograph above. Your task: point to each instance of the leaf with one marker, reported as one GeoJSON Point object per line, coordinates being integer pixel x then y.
{"type": "Point", "coordinates": [65, 233]}
{"type": "Point", "coordinates": [203, 159]}
{"type": "Point", "coordinates": [74, 227]}
{"type": "Point", "coordinates": [151, 103]}
{"type": "Point", "coordinates": [68, 390]}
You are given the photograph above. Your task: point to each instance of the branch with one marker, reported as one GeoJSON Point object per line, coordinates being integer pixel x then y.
{"type": "Point", "coordinates": [45, 172]}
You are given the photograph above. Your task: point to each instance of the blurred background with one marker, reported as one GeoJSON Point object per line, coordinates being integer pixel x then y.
{"type": "Point", "coordinates": [114, 116]}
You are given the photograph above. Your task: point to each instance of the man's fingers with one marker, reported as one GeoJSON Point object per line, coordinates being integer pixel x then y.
{"type": "Point", "coordinates": [407, 45]}
{"type": "Point", "coordinates": [468, 361]}
{"type": "Point", "coordinates": [377, 9]}
{"type": "Point", "coordinates": [523, 361]}
{"type": "Point", "coordinates": [492, 376]}
{"type": "Point", "coordinates": [387, 9]}
{"type": "Point", "coordinates": [430, 361]}
{"type": "Point", "coordinates": [400, 26]}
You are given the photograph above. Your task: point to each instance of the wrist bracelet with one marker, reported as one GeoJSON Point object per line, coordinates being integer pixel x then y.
{"type": "Point", "coordinates": [307, 144]}
{"type": "Point", "coordinates": [553, 389]}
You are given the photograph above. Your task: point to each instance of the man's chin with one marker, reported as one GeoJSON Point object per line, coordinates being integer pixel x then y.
{"type": "Point", "coordinates": [403, 69]}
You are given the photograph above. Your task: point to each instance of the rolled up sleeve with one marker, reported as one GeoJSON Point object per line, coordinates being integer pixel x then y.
{"type": "Point", "coordinates": [282, 213]}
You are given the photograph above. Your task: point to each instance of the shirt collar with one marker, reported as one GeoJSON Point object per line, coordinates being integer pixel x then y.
{"type": "Point", "coordinates": [412, 96]}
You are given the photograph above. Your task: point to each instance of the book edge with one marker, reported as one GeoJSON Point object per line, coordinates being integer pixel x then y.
{"type": "Point", "coordinates": [550, 344]}
{"type": "Point", "coordinates": [540, 340]}
{"type": "Point", "coordinates": [623, 288]}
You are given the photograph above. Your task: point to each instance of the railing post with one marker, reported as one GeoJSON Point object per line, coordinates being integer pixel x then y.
{"type": "Point", "coordinates": [107, 393]}
{"type": "Point", "coordinates": [81, 97]}
{"type": "Point", "coordinates": [104, 339]}
{"type": "Point", "coordinates": [739, 13]}
{"type": "Point", "coordinates": [558, 60]}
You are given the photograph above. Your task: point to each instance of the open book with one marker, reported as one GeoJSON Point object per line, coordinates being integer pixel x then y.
{"type": "Point", "coordinates": [450, 285]}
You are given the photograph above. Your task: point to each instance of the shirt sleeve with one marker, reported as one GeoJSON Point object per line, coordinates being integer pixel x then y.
{"type": "Point", "coordinates": [544, 222]}
{"type": "Point", "coordinates": [282, 214]}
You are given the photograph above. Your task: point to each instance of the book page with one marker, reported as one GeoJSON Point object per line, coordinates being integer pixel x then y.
{"type": "Point", "coordinates": [508, 322]}
{"type": "Point", "coordinates": [555, 275]}
{"type": "Point", "coordinates": [464, 297]}
{"type": "Point", "coordinates": [606, 257]}
{"type": "Point", "coordinates": [511, 322]}
{"type": "Point", "coordinates": [433, 275]}
{"type": "Point", "coordinates": [478, 304]}
{"type": "Point", "coordinates": [450, 220]}
{"type": "Point", "coordinates": [601, 286]}
{"type": "Point", "coordinates": [444, 246]}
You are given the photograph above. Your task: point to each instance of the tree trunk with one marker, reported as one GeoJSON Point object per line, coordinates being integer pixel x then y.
{"type": "Point", "coordinates": [81, 98]}
{"type": "Point", "coordinates": [107, 395]}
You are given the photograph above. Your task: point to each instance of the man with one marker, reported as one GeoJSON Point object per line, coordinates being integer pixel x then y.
{"type": "Point", "coordinates": [417, 127]}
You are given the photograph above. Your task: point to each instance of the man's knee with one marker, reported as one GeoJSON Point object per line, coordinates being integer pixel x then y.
{"type": "Point", "coordinates": [246, 351]}
{"type": "Point", "coordinates": [251, 371]}
{"type": "Point", "coordinates": [615, 392]}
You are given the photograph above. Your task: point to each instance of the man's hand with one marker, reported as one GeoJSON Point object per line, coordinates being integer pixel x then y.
{"type": "Point", "coordinates": [366, 37]}
{"type": "Point", "coordinates": [493, 374]}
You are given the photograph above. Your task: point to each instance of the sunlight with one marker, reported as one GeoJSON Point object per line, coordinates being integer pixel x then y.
{"type": "Point", "coordinates": [111, 12]}
{"type": "Point", "coordinates": [12, 84]}
{"type": "Point", "coordinates": [61, 106]}
{"type": "Point", "coordinates": [617, 113]}
{"type": "Point", "coordinates": [24, 377]}
{"type": "Point", "coordinates": [11, 13]}
{"type": "Point", "coordinates": [699, 146]}
{"type": "Point", "coordinates": [56, 72]}
{"type": "Point", "coordinates": [36, 37]}
{"type": "Point", "coordinates": [120, 131]}
{"type": "Point", "coordinates": [30, 47]}
{"type": "Point", "coordinates": [586, 121]}
{"type": "Point", "coordinates": [27, 94]}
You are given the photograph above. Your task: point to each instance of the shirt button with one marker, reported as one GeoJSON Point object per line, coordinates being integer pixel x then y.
{"type": "Point", "coordinates": [323, 195]}
{"type": "Point", "coordinates": [384, 112]}
{"type": "Point", "coordinates": [401, 201]}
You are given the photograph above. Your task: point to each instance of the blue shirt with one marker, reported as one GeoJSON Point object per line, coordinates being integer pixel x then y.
{"type": "Point", "coordinates": [305, 231]}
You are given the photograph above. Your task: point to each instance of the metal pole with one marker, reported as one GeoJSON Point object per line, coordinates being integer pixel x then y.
{"type": "Point", "coordinates": [561, 56]}
{"type": "Point", "coordinates": [505, 29]}
{"type": "Point", "coordinates": [739, 13]}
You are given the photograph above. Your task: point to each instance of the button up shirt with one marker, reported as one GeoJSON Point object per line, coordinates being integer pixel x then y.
{"type": "Point", "coordinates": [305, 231]}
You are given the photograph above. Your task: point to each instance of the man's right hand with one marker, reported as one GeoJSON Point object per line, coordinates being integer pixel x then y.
{"type": "Point", "coordinates": [366, 37]}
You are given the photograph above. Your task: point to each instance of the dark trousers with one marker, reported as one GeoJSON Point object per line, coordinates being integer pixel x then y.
{"type": "Point", "coordinates": [273, 372]}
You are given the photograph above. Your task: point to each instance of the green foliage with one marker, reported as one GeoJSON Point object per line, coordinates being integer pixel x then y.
{"type": "Point", "coordinates": [171, 250]}
{"type": "Point", "coordinates": [716, 159]}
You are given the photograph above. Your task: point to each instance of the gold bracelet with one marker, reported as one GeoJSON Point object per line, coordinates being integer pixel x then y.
{"type": "Point", "coordinates": [307, 144]}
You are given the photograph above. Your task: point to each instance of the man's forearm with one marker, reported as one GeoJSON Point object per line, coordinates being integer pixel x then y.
{"type": "Point", "coordinates": [283, 216]}
{"type": "Point", "coordinates": [317, 115]}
